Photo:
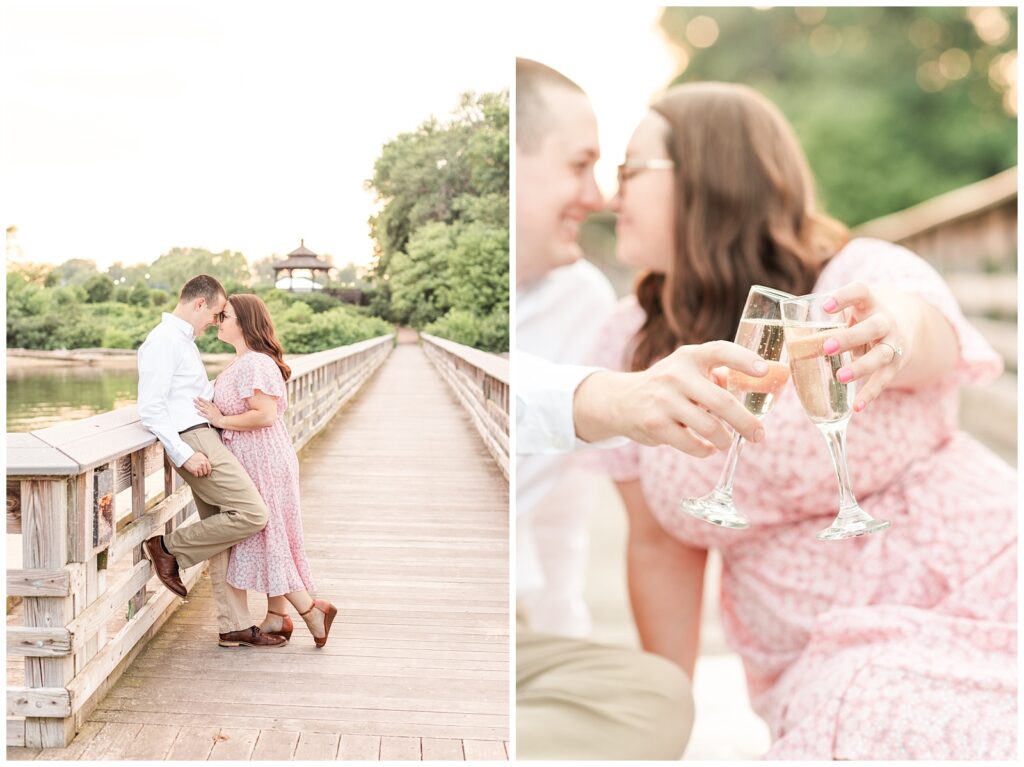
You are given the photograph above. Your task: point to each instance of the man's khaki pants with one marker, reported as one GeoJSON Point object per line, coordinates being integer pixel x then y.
{"type": "Point", "coordinates": [581, 700]}
{"type": "Point", "coordinates": [230, 510]}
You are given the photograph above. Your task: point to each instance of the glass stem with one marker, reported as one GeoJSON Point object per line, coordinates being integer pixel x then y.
{"type": "Point", "coordinates": [835, 438]}
{"type": "Point", "coordinates": [724, 486]}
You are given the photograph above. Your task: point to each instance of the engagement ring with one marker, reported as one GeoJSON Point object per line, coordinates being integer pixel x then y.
{"type": "Point", "coordinates": [897, 350]}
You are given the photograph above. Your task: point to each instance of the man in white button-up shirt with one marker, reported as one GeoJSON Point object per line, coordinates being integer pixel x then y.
{"type": "Point", "coordinates": [576, 699]}
{"type": "Point", "coordinates": [171, 376]}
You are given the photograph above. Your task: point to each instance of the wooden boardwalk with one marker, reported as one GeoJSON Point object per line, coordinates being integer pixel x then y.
{"type": "Point", "coordinates": [406, 528]}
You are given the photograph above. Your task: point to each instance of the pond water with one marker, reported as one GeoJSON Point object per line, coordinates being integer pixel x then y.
{"type": "Point", "coordinates": [38, 397]}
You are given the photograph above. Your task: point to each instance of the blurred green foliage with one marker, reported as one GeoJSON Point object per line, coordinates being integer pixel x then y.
{"type": "Point", "coordinates": [893, 105]}
{"type": "Point", "coordinates": [442, 231]}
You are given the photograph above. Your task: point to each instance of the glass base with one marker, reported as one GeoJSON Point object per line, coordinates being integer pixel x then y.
{"type": "Point", "coordinates": [852, 525]}
{"type": "Point", "coordinates": [717, 508]}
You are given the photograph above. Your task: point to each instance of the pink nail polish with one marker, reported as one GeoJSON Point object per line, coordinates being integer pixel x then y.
{"type": "Point", "coordinates": [845, 375]}
{"type": "Point", "coordinates": [829, 304]}
{"type": "Point", "coordinates": [860, 406]}
{"type": "Point", "coordinates": [831, 346]}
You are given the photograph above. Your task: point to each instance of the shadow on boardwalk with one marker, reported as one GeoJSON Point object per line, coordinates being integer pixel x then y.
{"type": "Point", "coordinates": [406, 527]}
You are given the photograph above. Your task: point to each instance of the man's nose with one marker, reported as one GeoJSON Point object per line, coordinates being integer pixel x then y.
{"type": "Point", "coordinates": [590, 194]}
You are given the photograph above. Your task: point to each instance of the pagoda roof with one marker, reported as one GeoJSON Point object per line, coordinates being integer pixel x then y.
{"type": "Point", "coordinates": [302, 258]}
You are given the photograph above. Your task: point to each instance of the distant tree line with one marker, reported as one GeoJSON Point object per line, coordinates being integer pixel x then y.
{"type": "Point", "coordinates": [74, 306]}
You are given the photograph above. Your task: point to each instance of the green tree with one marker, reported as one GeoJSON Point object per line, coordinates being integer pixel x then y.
{"type": "Point", "coordinates": [263, 271]}
{"type": "Point", "coordinates": [76, 271]}
{"type": "Point", "coordinates": [139, 295]}
{"type": "Point", "coordinates": [130, 274]}
{"type": "Point", "coordinates": [99, 288]}
{"type": "Point", "coordinates": [441, 235]}
{"type": "Point", "coordinates": [174, 268]}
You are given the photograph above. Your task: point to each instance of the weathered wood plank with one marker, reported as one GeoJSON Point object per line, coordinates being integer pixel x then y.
{"type": "Point", "coordinates": [13, 507]}
{"type": "Point", "coordinates": [484, 751]}
{"type": "Point", "coordinates": [21, 754]}
{"type": "Point", "coordinates": [400, 749]}
{"type": "Point", "coordinates": [80, 519]}
{"type": "Point", "coordinates": [138, 483]}
{"type": "Point", "coordinates": [193, 743]}
{"type": "Point", "coordinates": [36, 642]}
{"type": "Point", "coordinates": [15, 731]}
{"type": "Point", "coordinates": [111, 742]}
{"type": "Point", "coordinates": [29, 456]}
{"type": "Point", "coordinates": [354, 726]}
{"type": "Point", "coordinates": [38, 701]}
{"type": "Point", "coordinates": [317, 746]}
{"type": "Point", "coordinates": [45, 546]}
{"type": "Point", "coordinates": [274, 746]}
{"type": "Point", "coordinates": [364, 748]}
{"type": "Point", "coordinates": [46, 583]}
{"type": "Point", "coordinates": [73, 751]}
{"type": "Point", "coordinates": [442, 749]}
{"type": "Point", "coordinates": [234, 744]}
{"type": "Point", "coordinates": [153, 743]}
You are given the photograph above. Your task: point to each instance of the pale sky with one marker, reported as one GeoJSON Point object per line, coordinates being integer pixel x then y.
{"type": "Point", "coordinates": [616, 53]}
{"type": "Point", "coordinates": [128, 128]}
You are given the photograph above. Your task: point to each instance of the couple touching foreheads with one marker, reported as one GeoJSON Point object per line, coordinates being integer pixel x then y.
{"type": "Point", "coordinates": [228, 439]}
{"type": "Point", "coordinates": [891, 646]}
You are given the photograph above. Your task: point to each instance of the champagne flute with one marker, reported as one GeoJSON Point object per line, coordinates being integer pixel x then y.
{"type": "Point", "coordinates": [827, 402]}
{"type": "Point", "coordinates": [760, 330]}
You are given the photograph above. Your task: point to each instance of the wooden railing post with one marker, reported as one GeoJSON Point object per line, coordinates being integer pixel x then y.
{"type": "Point", "coordinates": [45, 504]}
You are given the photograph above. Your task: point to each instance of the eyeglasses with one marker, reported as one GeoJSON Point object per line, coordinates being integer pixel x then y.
{"type": "Point", "coordinates": [630, 168]}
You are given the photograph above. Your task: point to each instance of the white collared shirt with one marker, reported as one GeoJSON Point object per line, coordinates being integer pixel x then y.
{"type": "Point", "coordinates": [171, 376]}
{"type": "Point", "coordinates": [557, 322]}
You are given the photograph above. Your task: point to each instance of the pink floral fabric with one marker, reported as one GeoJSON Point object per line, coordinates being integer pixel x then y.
{"type": "Point", "coordinates": [899, 645]}
{"type": "Point", "coordinates": [274, 560]}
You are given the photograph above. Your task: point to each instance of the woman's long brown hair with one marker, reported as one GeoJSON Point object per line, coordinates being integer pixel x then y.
{"type": "Point", "coordinates": [745, 215]}
{"type": "Point", "coordinates": [257, 329]}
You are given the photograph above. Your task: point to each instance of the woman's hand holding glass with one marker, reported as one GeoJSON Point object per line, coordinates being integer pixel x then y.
{"type": "Point", "coordinates": [876, 327]}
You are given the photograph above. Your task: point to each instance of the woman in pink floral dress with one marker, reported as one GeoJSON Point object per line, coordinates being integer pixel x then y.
{"type": "Point", "coordinates": [248, 405]}
{"type": "Point", "coordinates": [897, 645]}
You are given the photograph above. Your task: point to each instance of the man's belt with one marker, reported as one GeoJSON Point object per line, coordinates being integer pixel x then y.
{"type": "Point", "coordinates": [203, 425]}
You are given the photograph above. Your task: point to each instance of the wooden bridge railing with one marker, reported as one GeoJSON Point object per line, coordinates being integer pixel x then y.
{"type": "Point", "coordinates": [970, 236]}
{"type": "Point", "coordinates": [90, 600]}
{"type": "Point", "coordinates": [481, 383]}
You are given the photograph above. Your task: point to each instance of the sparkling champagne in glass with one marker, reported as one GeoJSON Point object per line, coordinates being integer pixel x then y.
{"type": "Point", "coordinates": [827, 402]}
{"type": "Point", "coordinates": [761, 330]}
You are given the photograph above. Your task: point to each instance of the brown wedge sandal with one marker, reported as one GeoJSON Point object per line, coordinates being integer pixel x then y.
{"type": "Point", "coordinates": [287, 627]}
{"type": "Point", "coordinates": [329, 612]}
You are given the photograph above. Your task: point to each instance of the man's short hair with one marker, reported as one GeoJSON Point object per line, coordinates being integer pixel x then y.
{"type": "Point", "coordinates": [533, 114]}
{"type": "Point", "coordinates": [201, 286]}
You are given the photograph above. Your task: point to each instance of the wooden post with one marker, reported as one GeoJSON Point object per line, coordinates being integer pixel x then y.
{"type": "Point", "coordinates": [138, 474]}
{"type": "Point", "coordinates": [45, 546]}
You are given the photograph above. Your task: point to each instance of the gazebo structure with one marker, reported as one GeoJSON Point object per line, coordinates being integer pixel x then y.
{"type": "Point", "coordinates": [303, 259]}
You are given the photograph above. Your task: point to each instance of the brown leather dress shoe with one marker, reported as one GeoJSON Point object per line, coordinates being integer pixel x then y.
{"type": "Point", "coordinates": [165, 565]}
{"type": "Point", "coordinates": [251, 637]}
